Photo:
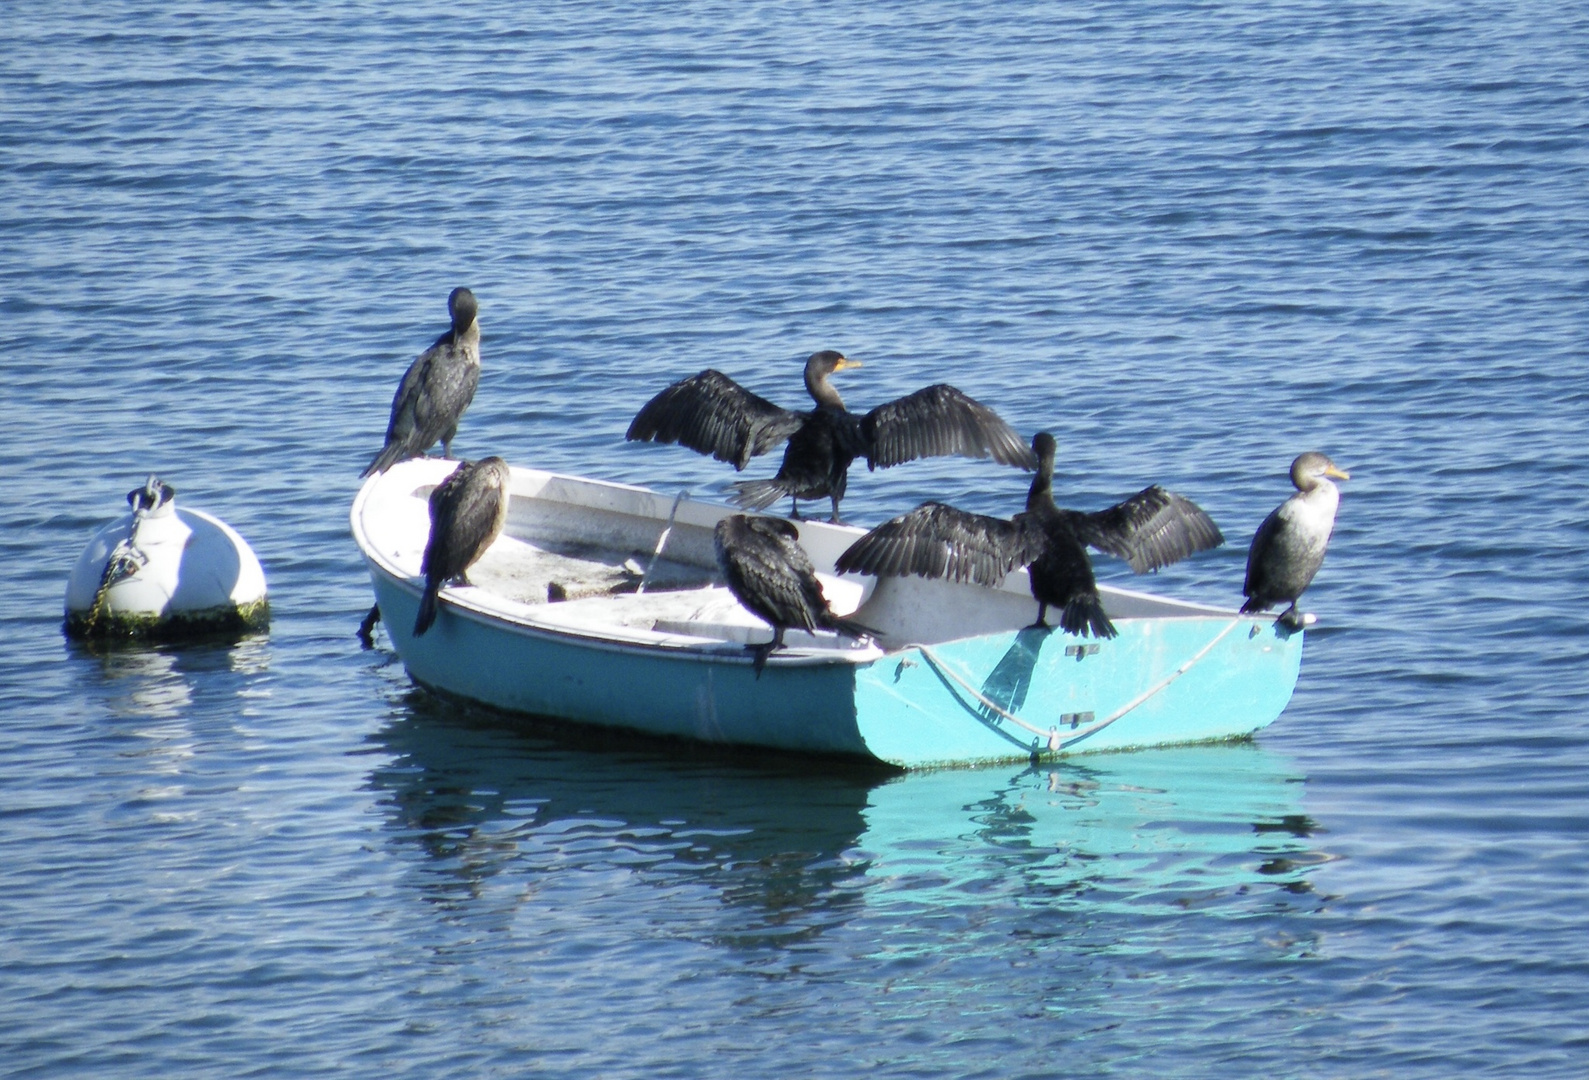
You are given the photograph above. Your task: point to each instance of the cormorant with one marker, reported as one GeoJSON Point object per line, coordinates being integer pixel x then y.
{"type": "Point", "coordinates": [1288, 548]}
{"type": "Point", "coordinates": [769, 572]}
{"type": "Point", "coordinates": [436, 389]}
{"type": "Point", "coordinates": [467, 511]}
{"type": "Point", "coordinates": [712, 414]}
{"type": "Point", "coordinates": [1151, 529]}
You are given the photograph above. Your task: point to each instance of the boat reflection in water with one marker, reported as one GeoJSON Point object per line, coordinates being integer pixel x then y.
{"type": "Point", "coordinates": [1189, 827]}
{"type": "Point", "coordinates": [795, 846]}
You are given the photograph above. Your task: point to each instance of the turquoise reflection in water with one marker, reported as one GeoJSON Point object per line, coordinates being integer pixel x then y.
{"type": "Point", "coordinates": [795, 847]}
{"type": "Point", "coordinates": [1206, 827]}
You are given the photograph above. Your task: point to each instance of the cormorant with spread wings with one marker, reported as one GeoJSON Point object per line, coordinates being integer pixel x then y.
{"type": "Point", "coordinates": [712, 414]}
{"type": "Point", "coordinates": [1151, 529]}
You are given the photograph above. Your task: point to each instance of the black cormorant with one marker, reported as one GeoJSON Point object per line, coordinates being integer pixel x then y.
{"type": "Point", "coordinates": [467, 511]}
{"type": "Point", "coordinates": [436, 389]}
{"type": "Point", "coordinates": [769, 572]}
{"type": "Point", "coordinates": [1288, 548]}
{"type": "Point", "coordinates": [1151, 529]}
{"type": "Point", "coordinates": [712, 414]}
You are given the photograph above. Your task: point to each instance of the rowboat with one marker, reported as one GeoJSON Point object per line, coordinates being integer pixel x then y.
{"type": "Point", "coordinates": [601, 604]}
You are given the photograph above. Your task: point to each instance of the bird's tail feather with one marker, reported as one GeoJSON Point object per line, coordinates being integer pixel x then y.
{"type": "Point", "coordinates": [390, 455]}
{"type": "Point", "coordinates": [757, 494]}
{"type": "Point", "coordinates": [850, 628]}
{"type": "Point", "coordinates": [1253, 605]}
{"type": "Point", "coordinates": [1085, 613]}
{"type": "Point", "coordinates": [427, 609]}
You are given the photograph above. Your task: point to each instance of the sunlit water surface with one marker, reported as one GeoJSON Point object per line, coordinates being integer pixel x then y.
{"type": "Point", "coordinates": [1190, 239]}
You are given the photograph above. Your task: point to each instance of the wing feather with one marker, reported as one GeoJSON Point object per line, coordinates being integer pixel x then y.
{"type": "Point", "coordinates": [1152, 528]}
{"type": "Point", "coordinates": [712, 414]}
{"type": "Point", "coordinates": [940, 421]}
{"type": "Point", "coordinates": [936, 540]}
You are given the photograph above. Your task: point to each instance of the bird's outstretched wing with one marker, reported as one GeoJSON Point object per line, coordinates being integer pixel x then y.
{"type": "Point", "coordinates": [712, 414]}
{"type": "Point", "coordinates": [940, 421]}
{"type": "Point", "coordinates": [936, 540]}
{"type": "Point", "coordinates": [1152, 528]}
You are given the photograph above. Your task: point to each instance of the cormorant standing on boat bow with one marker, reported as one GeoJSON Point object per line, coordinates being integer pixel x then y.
{"type": "Point", "coordinates": [769, 572]}
{"type": "Point", "coordinates": [467, 512]}
{"type": "Point", "coordinates": [436, 389]}
{"type": "Point", "coordinates": [712, 414]}
{"type": "Point", "coordinates": [1151, 529]}
{"type": "Point", "coordinates": [1288, 548]}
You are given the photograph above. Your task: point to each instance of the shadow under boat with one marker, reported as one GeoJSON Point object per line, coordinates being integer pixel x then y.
{"type": "Point", "coordinates": [477, 790]}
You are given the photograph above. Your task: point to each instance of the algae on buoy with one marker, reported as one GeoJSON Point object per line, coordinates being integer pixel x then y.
{"type": "Point", "coordinates": [165, 573]}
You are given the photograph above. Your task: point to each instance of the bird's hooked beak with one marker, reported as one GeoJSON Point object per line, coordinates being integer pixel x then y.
{"type": "Point", "coordinates": [1337, 473]}
{"type": "Point", "coordinates": [846, 362]}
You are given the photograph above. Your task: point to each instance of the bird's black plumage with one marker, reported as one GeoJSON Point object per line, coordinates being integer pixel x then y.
{"type": "Point", "coordinates": [1151, 529]}
{"type": "Point", "coordinates": [769, 572]}
{"type": "Point", "coordinates": [436, 389]}
{"type": "Point", "coordinates": [467, 512]}
{"type": "Point", "coordinates": [1288, 548]}
{"type": "Point", "coordinates": [712, 414]}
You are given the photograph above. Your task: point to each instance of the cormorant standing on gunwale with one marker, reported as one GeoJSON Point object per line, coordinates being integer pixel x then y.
{"type": "Point", "coordinates": [769, 572]}
{"type": "Point", "coordinates": [712, 414]}
{"type": "Point", "coordinates": [1288, 548]}
{"type": "Point", "coordinates": [1151, 529]}
{"type": "Point", "coordinates": [436, 389]}
{"type": "Point", "coordinates": [467, 512]}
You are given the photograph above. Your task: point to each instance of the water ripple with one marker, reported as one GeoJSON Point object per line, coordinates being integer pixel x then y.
{"type": "Point", "coordinates": [1192, 240]}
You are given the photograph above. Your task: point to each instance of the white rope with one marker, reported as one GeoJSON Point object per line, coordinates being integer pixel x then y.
{"type": "Point", "coordinates": [1052, 734]}
{"type": "Point", "coordinates": [1140, 698]}
{"type": "Point", "coordinates": [937, 662]}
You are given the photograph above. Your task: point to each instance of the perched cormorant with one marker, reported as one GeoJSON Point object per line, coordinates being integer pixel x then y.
{"type": "Point", "coordinates": [769, 572]}
{"type": "Point", "coordinates": [1288, 548]}
{"type": "Point", "coordinates": [712, 414]}
{"type": "Point", "coordinates": [1151, 529]}
{"type": "Point", "coordinates": [436, 389]}
{"type": "Point", "coordinates": [467, 511]}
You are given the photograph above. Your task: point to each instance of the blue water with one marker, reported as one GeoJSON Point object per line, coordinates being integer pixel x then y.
{"type": "Point", "coordinates": [1192, 239]}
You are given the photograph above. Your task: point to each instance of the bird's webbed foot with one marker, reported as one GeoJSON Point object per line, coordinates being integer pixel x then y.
{"type": "Point", "coordinates": [759, 653]}
{"type": "Point", "coordinates": [1292, 619]}
{"type": "Point", "coordinates": [367, 627]}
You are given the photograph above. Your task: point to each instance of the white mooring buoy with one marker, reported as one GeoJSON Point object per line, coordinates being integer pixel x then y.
{"type": "Point", "coordinates": [165, 573]}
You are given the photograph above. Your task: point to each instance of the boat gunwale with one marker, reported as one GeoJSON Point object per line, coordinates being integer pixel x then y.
{"type": "Point", "coordinates": [615, 637]}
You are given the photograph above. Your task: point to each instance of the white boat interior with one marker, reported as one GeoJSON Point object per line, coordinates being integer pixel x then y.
{"type": "Point", "coordinates": [582, 557]}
